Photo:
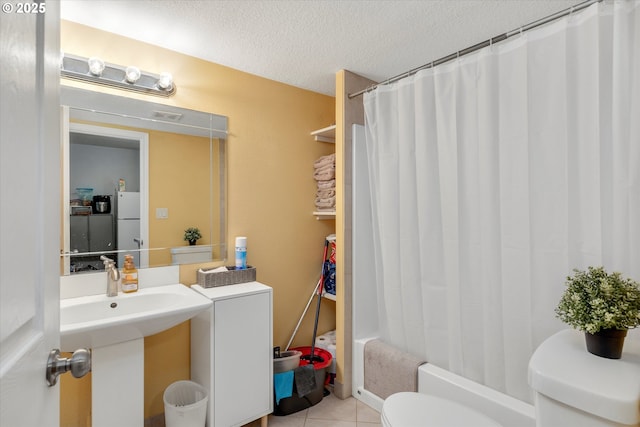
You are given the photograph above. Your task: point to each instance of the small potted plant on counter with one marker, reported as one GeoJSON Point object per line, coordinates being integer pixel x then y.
{"type": "Point", "coordinates": [602, 305]}
{"type": "Point", "coordinates": [192, 234]}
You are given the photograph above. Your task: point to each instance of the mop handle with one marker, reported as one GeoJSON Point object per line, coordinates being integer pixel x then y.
{"type": "Point", "coordinates": [316, 289]}
{"type": "Point", "coordinates": [304, 313]}
{"type": "Point", "coordinates": [324, 258]}
{"type": "Point", "coordinates": [320, 288]}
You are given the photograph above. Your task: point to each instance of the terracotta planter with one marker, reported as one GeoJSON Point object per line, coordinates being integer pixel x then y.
{"type": "Point", "coordinates": [606, 343]}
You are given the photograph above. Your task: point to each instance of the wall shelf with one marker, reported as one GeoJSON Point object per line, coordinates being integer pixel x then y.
{"type": "Point", "coordinates": [320, 215]}
{"type": "Point", "coordinates": [328, 296]}
{"type": "Point", "coordinates": [327, 134]}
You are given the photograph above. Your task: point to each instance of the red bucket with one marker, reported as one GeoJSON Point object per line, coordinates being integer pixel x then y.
{"type": "Point", "coordinates": [319, 353]}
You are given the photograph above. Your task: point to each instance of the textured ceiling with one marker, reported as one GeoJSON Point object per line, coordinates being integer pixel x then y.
{"type": "Point", "coordinates": [304, 42]}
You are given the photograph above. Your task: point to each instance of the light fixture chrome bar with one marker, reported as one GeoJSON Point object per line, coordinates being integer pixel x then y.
{"type": "Point", "coordinates": [77, 68]}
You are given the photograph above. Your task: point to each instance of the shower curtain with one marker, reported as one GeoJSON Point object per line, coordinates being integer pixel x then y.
{"type": "Point", "coordinates": [492, 177]}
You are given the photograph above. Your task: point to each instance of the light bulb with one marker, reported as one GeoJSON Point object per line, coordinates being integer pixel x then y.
{"type": "Point", "coordinates": [96, 65]}
{"type": "Point", "coordinates": [132, 74]}
{"type": "Point", "coordinates": [165, 81]}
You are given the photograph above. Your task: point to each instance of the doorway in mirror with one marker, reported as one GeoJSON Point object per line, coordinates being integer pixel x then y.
{"type": "Point", "coordinates": [102, 160]}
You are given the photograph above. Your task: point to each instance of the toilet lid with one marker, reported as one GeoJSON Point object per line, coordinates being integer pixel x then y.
{"type": "Point", "coordinates": [408, 409]}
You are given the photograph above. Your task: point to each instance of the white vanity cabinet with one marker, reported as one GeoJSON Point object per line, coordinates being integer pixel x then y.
{"type": "Point", "coordinates": [232, 353]}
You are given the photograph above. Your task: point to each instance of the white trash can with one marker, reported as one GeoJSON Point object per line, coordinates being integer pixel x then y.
{"type": "Point", "coordinates": [185, 404]}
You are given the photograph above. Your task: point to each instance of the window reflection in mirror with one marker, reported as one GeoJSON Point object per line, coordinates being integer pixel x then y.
{"type": "Point", "coordinates": [135, 176]}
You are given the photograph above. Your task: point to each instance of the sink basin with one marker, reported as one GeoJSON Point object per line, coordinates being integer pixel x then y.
{"type": "Point", "coordinates": [97, 320]}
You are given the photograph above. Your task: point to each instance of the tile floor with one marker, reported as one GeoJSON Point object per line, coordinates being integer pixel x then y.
{"type": "Point", "coordinates": [329, 412]}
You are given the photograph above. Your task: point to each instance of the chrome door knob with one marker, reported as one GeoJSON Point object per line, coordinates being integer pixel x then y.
{"type": "Point", "coordinates": [79, 364]}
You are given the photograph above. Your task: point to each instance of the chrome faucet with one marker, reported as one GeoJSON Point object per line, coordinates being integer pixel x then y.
{"type": "Point", "coordinates": [113, 276]}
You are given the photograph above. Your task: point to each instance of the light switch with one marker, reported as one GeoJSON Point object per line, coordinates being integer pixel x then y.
{"type": "Point", "coordinates": [162, 213]}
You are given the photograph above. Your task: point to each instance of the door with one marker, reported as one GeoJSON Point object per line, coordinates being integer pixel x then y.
{"type": "Point", "coordinates": [129, 228]}
{"type": "Point", "coordinates": [242, 346]}
{"type": "Point", "coordinates": [101, 235]}
{"type": "Point", "coordinates": [79, 233]}
{"type": "Point", "coordinates": [128, 205]}
{"type": "Point", "coordinates": [29, 180]}
{"type": "Point", "coordinates": [128, 231]}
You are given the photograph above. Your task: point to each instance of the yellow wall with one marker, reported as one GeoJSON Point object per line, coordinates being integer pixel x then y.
{"type": "Point", "coordinates": [174, 160]}
{"type": "Point", "coordinates": [270, 191]}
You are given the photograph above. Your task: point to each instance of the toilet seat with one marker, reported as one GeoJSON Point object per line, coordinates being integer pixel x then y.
{"type": "Point", "coordinates": [408, 409]}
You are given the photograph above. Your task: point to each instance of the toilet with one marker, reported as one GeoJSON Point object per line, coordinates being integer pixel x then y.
{"type": "Point", "coordinates": [572, 388]}
{"type": "Point", "coordinates": [410, 409]}
{"type": "Point", "coordinates": [576, 388]}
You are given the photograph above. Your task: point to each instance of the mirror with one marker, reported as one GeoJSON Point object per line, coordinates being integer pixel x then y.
{"type": "Point", "coordinates": [136, 175]}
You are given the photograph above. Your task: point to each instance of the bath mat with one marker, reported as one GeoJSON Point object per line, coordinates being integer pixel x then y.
{"type": "Point", "coordinates": [388, 370]}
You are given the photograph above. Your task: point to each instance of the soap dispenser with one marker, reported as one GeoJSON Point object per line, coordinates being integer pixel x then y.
{"type": "Point", "coordinates": [129, 275]}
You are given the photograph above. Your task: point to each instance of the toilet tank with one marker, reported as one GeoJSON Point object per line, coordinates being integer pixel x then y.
{"type": "Point", "coordinates": [191, 254]}
{"type": "Point", "coordinates": [576, 388]}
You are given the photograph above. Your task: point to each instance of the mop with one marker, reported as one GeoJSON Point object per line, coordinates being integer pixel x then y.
{"type": "Point", "coordinates": [317, 289]}
{"type": "Point", "coordinates": [312, 356]}
{"type": "Point", "coordinates": [305, 375]}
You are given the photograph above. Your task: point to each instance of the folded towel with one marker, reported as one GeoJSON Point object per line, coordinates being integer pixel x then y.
{"type": "Point", "coordinates": [326, 203]}
{"type": "Point", "coordinates": [326, 207]}
{"type": "Point", "coordinates": [324, 160]}
{"type": "Point", "coordinates": [326, 184]}
{"type": "Point", "coordinates": [319, 166]}
{"type": "Point", "coordinates": [326, 167]}
{"type": "Point", "coordinates": [283, 385]}
{"type": "Point", "coordinates": [325, 194]}
{"type": "Point", "coordinates": [325, 174]}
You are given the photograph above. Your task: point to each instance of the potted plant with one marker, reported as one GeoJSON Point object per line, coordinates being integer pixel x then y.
{"type": "Point", "coordinates": [604, 306]}
{"type": "Point", "coordinates": [192, 234]}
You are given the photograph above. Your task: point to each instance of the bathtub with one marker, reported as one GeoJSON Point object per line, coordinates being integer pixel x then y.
{"type": "Point", "coordinates": [506, 410]}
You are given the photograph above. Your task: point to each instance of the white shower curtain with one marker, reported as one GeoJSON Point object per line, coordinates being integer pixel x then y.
{"type": "Point", "coordinates": [493, 176]}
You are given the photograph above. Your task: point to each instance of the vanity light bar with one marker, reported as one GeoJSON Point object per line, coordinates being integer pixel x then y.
{"type": "Point", "coordinates": [94, 70]}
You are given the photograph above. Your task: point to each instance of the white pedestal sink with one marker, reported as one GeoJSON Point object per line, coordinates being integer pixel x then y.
{"type": "Point", "coordinates": [114, 329]}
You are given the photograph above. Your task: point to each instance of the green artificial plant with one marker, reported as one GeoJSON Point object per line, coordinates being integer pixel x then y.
{"type": "Point", "coordinates": [595, 300]}
{"type": "Point", "coordinates": [192, 234]}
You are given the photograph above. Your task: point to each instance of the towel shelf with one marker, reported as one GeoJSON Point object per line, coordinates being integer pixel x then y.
{"type": "Point", "coordinates": [326, 295]}
{"type": "Point", "coordinates": [320, 215]}
{"type": "Point", "coordinates": [327, 134]}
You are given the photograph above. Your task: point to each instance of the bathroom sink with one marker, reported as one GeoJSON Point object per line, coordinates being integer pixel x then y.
{"type": "Point", "coordinates": [97, 320]}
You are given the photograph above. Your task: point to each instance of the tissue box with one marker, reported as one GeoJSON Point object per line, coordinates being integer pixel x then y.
{"type": "Point", "coordinates": [230, 277]}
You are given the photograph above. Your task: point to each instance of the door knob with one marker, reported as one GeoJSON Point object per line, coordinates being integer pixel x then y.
{"type": "Point", "coordinates": [79, 364]}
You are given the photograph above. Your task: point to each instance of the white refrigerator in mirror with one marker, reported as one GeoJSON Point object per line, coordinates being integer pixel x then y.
{"type": "Point", "coordinates": [128, 225]}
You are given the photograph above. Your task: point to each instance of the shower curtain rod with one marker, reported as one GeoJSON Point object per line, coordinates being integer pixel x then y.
{"type": "Point", "coordinates": [479, 46]}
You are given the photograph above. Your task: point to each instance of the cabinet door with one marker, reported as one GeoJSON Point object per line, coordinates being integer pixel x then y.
{"type": "Point", "coordinates": [242, 359]}
{"type": "Point", "coordinates": [79, 233]}
{"type": "Point", "coordinates": [101, 233]}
